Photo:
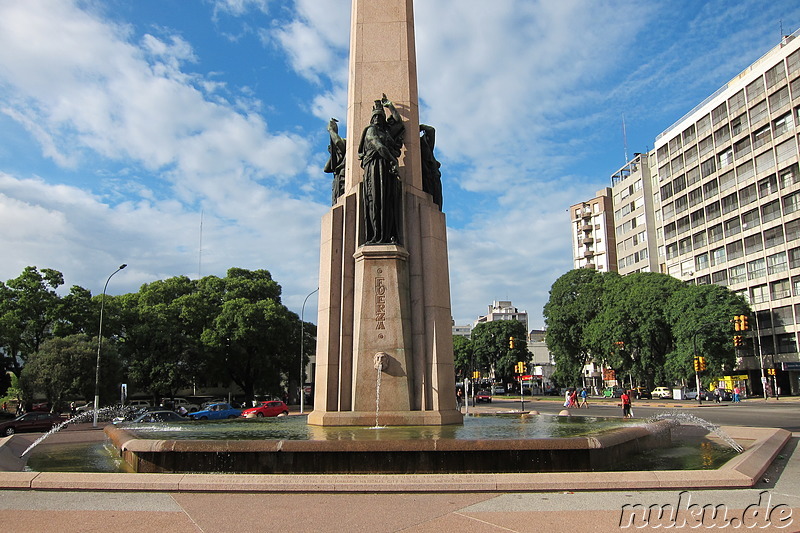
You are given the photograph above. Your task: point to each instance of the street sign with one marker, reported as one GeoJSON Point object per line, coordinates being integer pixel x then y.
{"type": "Point", "coordinates": [791, 365]}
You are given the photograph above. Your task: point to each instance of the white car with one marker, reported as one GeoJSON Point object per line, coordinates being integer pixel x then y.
{"type": "Point", "coordinates": [662, 392]}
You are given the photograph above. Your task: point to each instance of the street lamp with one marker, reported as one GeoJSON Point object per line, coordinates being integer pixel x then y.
{"type": "Point", "coordinates": [302, 366]}
{"type": "Point", "coordinates": [100, 345]}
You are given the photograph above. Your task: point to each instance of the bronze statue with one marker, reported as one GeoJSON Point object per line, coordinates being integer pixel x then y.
{"type": "Point", "coordinates": [378, 151]}
{"type": "Point", "coordinates": [336, 161]}
{"type": "Point", "coordinates": [431, 175]}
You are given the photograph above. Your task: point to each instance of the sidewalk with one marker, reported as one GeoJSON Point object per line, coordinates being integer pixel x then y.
{"type": "Point", "coordinates": [457, 503]}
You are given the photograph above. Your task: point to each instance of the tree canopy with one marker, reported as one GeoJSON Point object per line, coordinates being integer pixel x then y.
{"type": "Point", "coordinates": [171, 334]}
{"type": "Point", "coordinates": [645, 325]}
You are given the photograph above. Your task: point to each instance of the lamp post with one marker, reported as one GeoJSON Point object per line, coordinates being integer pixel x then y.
{"type": "Point", "coordinates": [99, 346]}
{"type": "Point", "coordinates": [302, 338]}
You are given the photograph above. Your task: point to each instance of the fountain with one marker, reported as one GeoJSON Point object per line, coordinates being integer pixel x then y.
{"type": "Point", "coordinates": [687, 418]}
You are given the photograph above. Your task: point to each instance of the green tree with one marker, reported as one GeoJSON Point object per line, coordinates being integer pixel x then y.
{"type": "Point", "coordinates": [701, 320]}
{"type": "Point", "coordinates": [491, 346]}
{"type": "Point", "coordinates": [576, 298]}
{"type": "Point", "coordinates": [462, 356]}
{"type": "Point", "coordinates": [29, 308]}
{"type": "Point", "coordinates": [64, 367]}
{"type": "Point", "coordinates": [254, 336]}
{"type": "Point", "coordinates": [161, 349]}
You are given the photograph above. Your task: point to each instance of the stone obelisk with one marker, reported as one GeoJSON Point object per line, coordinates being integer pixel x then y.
{"type": "Point", "coordinates": [384, 335]}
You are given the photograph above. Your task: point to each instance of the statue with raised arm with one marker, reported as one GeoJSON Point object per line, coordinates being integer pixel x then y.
{"type": "Point", "coordinates": [336, 161]}
{"type": "Point", "coordinates": [431, 175]}
{"type": "Point", "coordinates": [378, 151]}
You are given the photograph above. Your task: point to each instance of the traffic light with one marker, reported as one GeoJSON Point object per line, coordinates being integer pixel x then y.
{"type": "Point", "coordinates": [476, 375]}
{"type": "Point", "coordinates": [737, 323]}
{"type": "Point", "coordinates": [511, 342]}
{"type": "Point", "coordinates": [697, 364]}
{"type": "Point", "coordinates": [744, 322]}
{"type": "Point", "coordinates": [702, 361]}
{"type": "Point", "coordinates": [771, 371]}
{"type": "Point", "coordinates": [519, 367]}
{"type": "Point", "coordinates": [738, 340]}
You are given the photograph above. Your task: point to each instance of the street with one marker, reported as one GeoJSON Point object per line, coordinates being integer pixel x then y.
{"type": "Point", "coordinates": [752, 412]}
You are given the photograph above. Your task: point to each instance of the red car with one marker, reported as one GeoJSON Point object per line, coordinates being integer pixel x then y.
{"type": "Point", "coordinates": [33, 421]}
{"type": "Point", "coordinates": [270, 408]}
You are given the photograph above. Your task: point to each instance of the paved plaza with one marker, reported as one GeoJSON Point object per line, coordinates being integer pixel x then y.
{"type": "Point", "coordinates": [568, 504]}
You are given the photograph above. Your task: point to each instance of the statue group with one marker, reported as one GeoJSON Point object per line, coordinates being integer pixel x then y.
{"type": "Point", "coordinates": [378, 150]}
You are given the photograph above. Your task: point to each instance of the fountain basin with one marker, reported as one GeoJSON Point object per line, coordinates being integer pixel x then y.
{"type": "Point", "coordinates": [415, 456]}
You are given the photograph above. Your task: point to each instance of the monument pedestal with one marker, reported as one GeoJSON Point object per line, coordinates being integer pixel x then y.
{"type": "Point", "coordinates": [389, 300]}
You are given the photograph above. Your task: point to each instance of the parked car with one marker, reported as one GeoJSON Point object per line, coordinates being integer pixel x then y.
{"type": "Point", "coordinates": [33, 421]}
{"type": "Point", "coordinates": [662, 392]}
{"type": "Point", "coordinates": [216, 411]}
{"type": "Point", "coordinates": [270, 408]}
{"type": "Point", "coordinates": [177, 403]}
{"type": "Point", "coordinates": [690, 394]}
{"type": "Point", "coordinates": [139, 403]}
{"type": "Point", "coordinates": [483, 396]}
{"type": "Point", "coordinates": [613, 392]}
{"type": "Point", "coordinates": [159, 416]}
{"type": "Point", "coordinates": [498, 389]}
{"type": "Point", "coordinates": [640, 393]}
{"type": "Point", "coordinates": [552, 391]}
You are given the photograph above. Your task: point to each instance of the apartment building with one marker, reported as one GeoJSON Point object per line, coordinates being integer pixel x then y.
{"type": "Point", "coordinates": [503, 310]}
{"type": "Point", "coordinates": [726, 191]}
{"type": "Point", "coordinates": [593, 243]}
{"type": "Point", "coordinates": [634, 216]}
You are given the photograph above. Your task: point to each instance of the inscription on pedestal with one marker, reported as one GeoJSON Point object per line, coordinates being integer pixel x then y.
{"type": "Point", "coordinates": [380, 301]}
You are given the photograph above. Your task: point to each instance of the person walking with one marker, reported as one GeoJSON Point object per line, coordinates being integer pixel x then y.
{"type": "Point", "coordinates": [573, 398]}
{"type": "Point", "coordinates": [584, 398]}
{"type": "Point", "coordinates": [736, 392]}
{"type": "Point", "coordinates": [626, 405]}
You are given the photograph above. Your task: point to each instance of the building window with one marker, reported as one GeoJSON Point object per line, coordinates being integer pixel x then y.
{"type": "Point", "coordinates": [791, 203]}
{"type": "Point", "coordinates": [759, 294]}
{"type": "Point", "coordinates": [738, 124]}
{"type": "Point", "coordinates": [695, 197]}
{"type": "Point", "coordinates": [685, 245]}
{"type": "Point", "coordinates": [733, 226]}
{"type": "Point", "coordinates": [720, 278]}
{"type": "Point", "coordinates": [681, 204]}
{"type": "Point", "coordinates": [713, 211]}
{"type": "Point", "coordinates": [742, 147]}
{"type": "Point", "coordinates": [775, 75]}
{"type": "Point", "coordinates": [782, 316]}
{"type": "Point", "coordinates": [778, 99]}
{"type": "Point", "coordinates": [718, 256]}
{"type": "Point", "coordinates": [698, 218]}
{"type": "Point", "coordinates": [701, 262]}
{"type": "Point", "coordinates": [708, 167]}
{"type": "Point", "coordinates": [730, 203]}
{"type": "Point", "coordinates": [683, 225]}
{"type": "Point", "coordinates": [756, 269]}
{"type": "Point", "coordinates": [765, 161]}
{"type": "Point", "coordinates": [737, 274]}
{"type": "Point", "coordinates": [703, 125]}
{"type": "Point", "coordinates": [748, 195]}
{"type": "Point", "coordinates": [758, 112]}
{"type": "Point", "coordinates": [767, 186]}
{"type": "Point", "coordinates": [722, 135]}
{"type": "Point", "coordinates": [761, 137]}
{"type": "Point", "coordinates": [755, 89]}
{"type": "Point", "coordinates": [715, 233]}
{"type": "Point", "coordinates": [711, 188]}
{"type": "Point", "coordinates": [750, 219]}
{"type": "Point", "coordinates": [689, 135]}
{"type": "Point", "coordinates": [734, 250]}
{"type": "Point", "coordinates": [794, 258]}
{"type": "Point", "coordinates": [792, 230]}
{"type": "Point", "coordinates": [789, 176]}
{"type": "Point", "coordinates": [773, 237]}
{"type": "Point", "coordinates": [780, 289]}
{"type": "Point", "coordinates": [784, 124]}
{"type": "Point", "coordinates": [745, 170]}
{"type": "Point", "coordinates": [770, 211]}
{"type": "Point", "coordinates": [786, 343]}
{"type": "Point", "coordinates": [753, 244]}
{"type": "Point", "coordinates": [699, 239]}
{"type": "Point", "coordinates": [777, 263]}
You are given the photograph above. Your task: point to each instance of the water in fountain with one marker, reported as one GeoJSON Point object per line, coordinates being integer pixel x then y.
{"type": "Point", "coordinates": [378, 398]}
{"type": "Point", "coordinates": [681, 417]}
{"type": "Point", "coordinates": [105, 414]}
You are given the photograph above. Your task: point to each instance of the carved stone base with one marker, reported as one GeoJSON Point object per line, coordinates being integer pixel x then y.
{"type": "Point", "coordinates": [387, 418]}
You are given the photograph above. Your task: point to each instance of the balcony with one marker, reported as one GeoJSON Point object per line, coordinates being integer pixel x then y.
{"type": "Point", "coordinates": [588, 240]}
{"type": "Point", "coordinates": [588, 254]}
{"type": "Point", "coordinates": [587, 227]}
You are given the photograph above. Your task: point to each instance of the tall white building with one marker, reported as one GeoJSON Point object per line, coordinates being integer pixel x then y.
{"type": "Point", "coordinates": [727, 191]}
{"type": "Point", "coordinates": [503, 310]}
{"type": "Point", "coordinates": [593, 244]}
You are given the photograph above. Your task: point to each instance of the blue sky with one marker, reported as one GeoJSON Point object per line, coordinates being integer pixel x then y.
{"type": "Point", "coordinates": [127, 126]}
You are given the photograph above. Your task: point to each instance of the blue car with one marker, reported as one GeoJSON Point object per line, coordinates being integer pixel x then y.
{"type": "Point", "coordinates": [216, 411]}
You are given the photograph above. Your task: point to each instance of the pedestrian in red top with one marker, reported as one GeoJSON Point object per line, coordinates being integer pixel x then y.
{"type": "Point", "coordinates": [626, 405]}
